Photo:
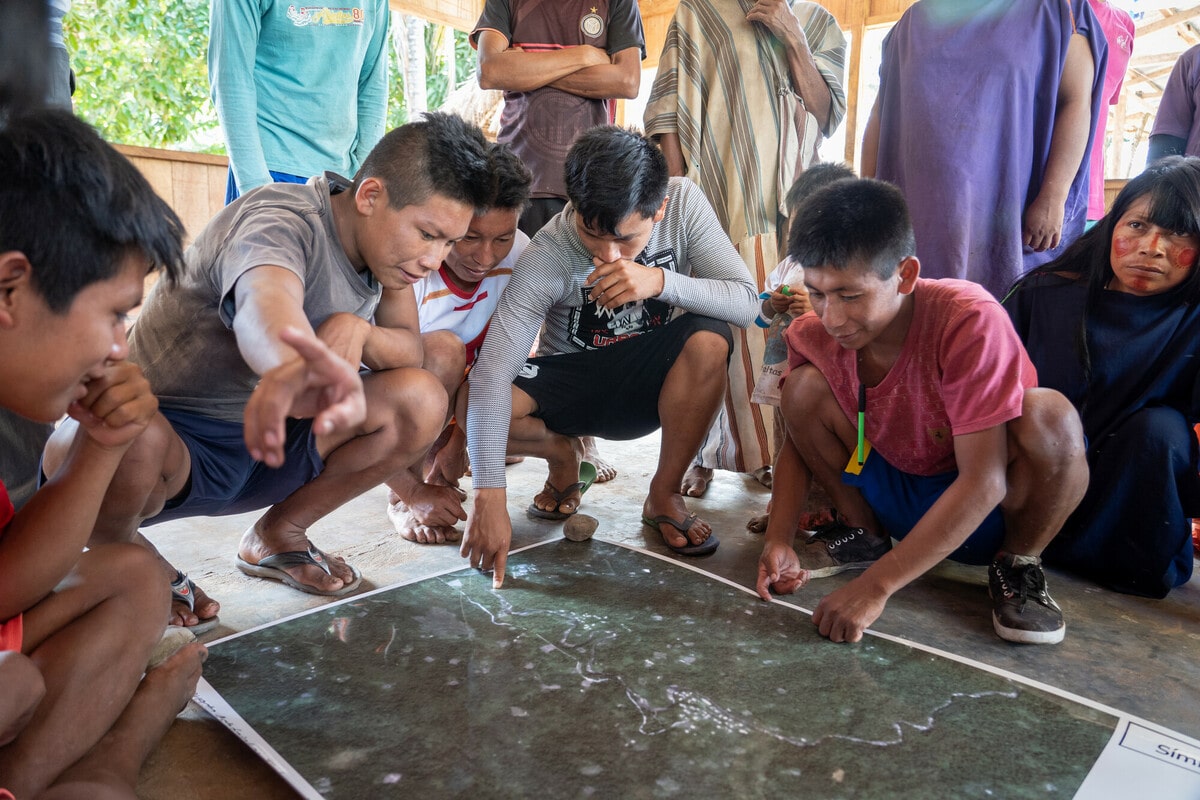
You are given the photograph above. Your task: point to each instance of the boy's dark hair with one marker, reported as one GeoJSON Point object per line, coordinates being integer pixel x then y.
{"type": "Point", "coordinates": [859, 220]}
{"type": "Point", "coordinates": [813, 178]}
{"type": "Point", "coordinates": [76, 207]}
{"type": "Point", "coordinates": [512, 179]}
{"type": "Point", "coordinates": [611, 172]}
{"type": "Point", "coordinates": [438, 154]}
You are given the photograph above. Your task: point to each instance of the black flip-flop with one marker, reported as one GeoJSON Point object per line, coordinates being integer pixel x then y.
{"type": "Point", "coordinates": [587, 476]}
{"type": "Point", "coordinates": [272, 568]}
{"type": "Point", "coordinates": [706, 547]}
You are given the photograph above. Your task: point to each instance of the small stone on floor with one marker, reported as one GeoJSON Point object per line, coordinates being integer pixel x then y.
{"type": "Point", "coordinates": [580, 527]}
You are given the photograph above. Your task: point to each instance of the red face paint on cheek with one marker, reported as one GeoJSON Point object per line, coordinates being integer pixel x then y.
{"type": "Point", "coordinates": [1122, 246]}
{"type": "Point", "coordinates": [1186, 258]}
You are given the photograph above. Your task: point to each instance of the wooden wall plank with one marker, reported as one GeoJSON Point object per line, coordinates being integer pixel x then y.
{"type": "Point", "coordinates": [192, 184]}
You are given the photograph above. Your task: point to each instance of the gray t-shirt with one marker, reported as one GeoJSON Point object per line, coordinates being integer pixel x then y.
{"type": "Point", "coordinates": [702, 274]}
{"type": "Point", "coordinates": [183, 339]}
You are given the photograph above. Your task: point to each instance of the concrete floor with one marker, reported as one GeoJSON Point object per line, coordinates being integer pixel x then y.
{"type": "Point", "coordinates": [1139, 656]}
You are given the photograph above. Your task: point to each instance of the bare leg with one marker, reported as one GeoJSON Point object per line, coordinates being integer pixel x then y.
{"type": "Point", "coordinates": [155, 469]}
{"type": "Point", "coordinates": [406, 409]}
{"type": "Point", "coordinates": [695, 481]}
{"type": "Point", "coordinates": [110, 769]}
{"type": "Point", "coordinates": [23, 691]}
{"type": "Point", "coordinates": [824, 439]}
{"type": "Point", "coordinates": [90, 639]}
{"type": "Point", "coordinates": [1047, 471]}
{"type": "Point", "coordinates": [424, 503]}
{"type": "Point", "coordinates": [529, 436]}
{"type": "Point", "coordinates": [691, 393]}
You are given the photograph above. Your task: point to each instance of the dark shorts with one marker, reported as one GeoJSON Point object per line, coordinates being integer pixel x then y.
{"type": "Point", "coordinates": [611, 392]}
{"type": "Point", "coordinates": [900, 499]}
{"type": "Point", "coordinates": [225, 479]}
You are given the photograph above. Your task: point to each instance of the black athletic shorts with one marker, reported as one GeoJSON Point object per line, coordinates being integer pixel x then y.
{"type": "Point", "coordinates": [611, 392]}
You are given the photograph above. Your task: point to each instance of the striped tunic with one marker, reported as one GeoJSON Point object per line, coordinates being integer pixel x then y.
{"type": "Point", "coordinates": [724, 88]}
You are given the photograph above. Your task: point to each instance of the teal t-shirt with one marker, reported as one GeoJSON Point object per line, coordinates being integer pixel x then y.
{"type": "Point", "coordinates": [298, 88]}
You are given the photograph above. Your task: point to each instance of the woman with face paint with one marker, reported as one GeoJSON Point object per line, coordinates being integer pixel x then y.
{"type": "Point", "coordinates": [1114, 324]}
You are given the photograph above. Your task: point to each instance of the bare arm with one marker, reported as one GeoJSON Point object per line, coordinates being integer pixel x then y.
{"type": "Point", "coordinates": [514, 70]}
{"type": "Point", "coordinates": [870, 145]}
{"type": "Point", "coordinates": [982, 459]}
{"type": "Point", "coordinates": [777, 17]}
{"type": "Point", "coordinates": [1072, 125]}
{"type": "Point", "coordinates": [267, 300]}
{"type": "Point", "coordinates": [395, 339]}
{"type": "Point", "coordinates": [778, 566]}
{"type": "Point", "coordinates": [44, 540]}
{"type": "Point", "coordinates": [301, 376]}
{"type": "Point", "coordinates": [621, 78]}
{"type": "Point", "coordinates": [669, 144]}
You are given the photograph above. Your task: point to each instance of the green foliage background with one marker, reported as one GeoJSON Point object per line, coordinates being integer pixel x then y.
{"type": "Point", "coordinates": [142, 76]}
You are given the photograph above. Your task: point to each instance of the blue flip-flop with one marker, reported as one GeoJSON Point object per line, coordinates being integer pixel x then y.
{"type": "Point", "coordinates": [587, 476]}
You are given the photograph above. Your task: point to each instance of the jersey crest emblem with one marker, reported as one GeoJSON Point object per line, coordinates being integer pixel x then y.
{"type": "Point", "coordinates": [592, 24]}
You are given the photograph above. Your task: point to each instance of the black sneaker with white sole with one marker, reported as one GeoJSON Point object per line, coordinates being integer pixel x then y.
{"type": "Point", "coordinates": [1022, 609]}
{"type": "Point", "coordinates": [836, 547]}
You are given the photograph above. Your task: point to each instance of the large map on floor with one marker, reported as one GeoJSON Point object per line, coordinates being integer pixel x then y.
{"type": "Point", "coordinates": [604, 671]}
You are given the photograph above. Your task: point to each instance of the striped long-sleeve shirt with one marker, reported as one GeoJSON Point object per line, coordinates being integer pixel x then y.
{"type": "Point", "coordinates": [703, 274]}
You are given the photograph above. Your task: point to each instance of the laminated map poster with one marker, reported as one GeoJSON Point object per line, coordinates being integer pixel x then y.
{"type": "Point", "coordinates": [605, 671]}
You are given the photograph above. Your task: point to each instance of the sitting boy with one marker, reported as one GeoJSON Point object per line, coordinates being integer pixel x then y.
{"type": "Point", "coordinates": [79, 231]}
{"type": "Point", "coordinates": [454, 305]}
{"type": "Point", "coordinates": [913, 403]}
{"type": "Point", "coordinates": [611, 277]}
{"type": "Point", "coordinates": [325, 256]}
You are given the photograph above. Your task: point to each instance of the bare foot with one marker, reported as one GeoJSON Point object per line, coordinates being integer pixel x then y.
{"type": "Point", "coordinates": [758, 524]}
{"type": "Point", "coordinates": [307, 575]}
{"type": "Point", "coordinates": [190, 606]}
{"type": "Point", "coordinates": [673, 534]}
{"type": "Point", "coordinates": [695, 481]}
{"type": "Point", "coordinates": [406, 524]}
{"type": "Point", "coordinates": [118, 757]}
{"type": "Point", "coordinates": [553, 500]}
{"type": "Point", "coordinates": [563, 491]}
{"type": "Point", "coordinates": [605, 471]}
{"type": "Point", "coordinates": [204, 610]}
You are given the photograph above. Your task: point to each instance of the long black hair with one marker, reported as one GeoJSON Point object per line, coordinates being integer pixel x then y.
{"type": "Point", "coordinates": [1173, 186]}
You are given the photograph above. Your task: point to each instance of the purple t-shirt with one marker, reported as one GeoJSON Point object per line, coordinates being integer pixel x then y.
{"type": "Point", "coordinates": [541, 125]}
{"type": "Point", "coordinates": [967, 96]}
{"type": "Point", "coordinates": [1177, 109]}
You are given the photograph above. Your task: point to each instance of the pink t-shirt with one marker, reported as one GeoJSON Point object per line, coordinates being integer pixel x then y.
{"type": "Point", "coordinates": [1118, 30]}
{"type": "Point", "coordinates": [11, 630]}
{"type": "Point", "coordinates": [962, 370]}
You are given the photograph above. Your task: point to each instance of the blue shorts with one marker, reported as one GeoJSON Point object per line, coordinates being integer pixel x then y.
{"type": "Point", "coordinates": [899, 500]}
{"type": "Point", "coordinates": [225, 479]}
{"type": "Point", "coordinates": [231, 189]}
